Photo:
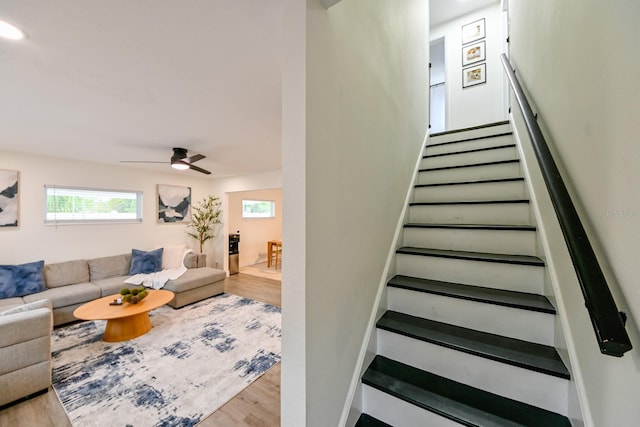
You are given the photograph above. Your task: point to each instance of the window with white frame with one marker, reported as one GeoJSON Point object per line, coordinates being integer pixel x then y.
{"type": "Point", "coordinates": [76, 205]}
{"type": "Point", "coordinates": [258, 209]}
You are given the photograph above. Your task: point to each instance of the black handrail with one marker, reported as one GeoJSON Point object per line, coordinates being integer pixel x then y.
{"type": "Point", "coordinates": [608, 322]}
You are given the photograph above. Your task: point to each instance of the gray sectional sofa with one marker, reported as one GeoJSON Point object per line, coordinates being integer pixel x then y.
{"type": "Point", "coordinates": [72, 283]}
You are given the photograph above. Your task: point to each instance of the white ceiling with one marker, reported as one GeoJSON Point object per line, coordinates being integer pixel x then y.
{"type": "Point", "coordinates": [113, 80]}
{"type": "Point", "coordinates": [445, 10]}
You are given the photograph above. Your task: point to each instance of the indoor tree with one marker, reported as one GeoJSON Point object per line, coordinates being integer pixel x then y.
{"type": "Point", "coordinates": [205, 216]}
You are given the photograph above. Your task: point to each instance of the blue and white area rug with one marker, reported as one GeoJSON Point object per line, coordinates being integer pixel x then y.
{"type": "Point", "coordinates": [192, 361]}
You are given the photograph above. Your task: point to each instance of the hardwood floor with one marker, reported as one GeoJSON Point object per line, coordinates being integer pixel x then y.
{"type": "Point", "coordinates": [257, 405]}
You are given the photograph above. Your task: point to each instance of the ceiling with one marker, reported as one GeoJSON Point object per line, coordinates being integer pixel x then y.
{"type": "Point", "coordinates": [445, 10]}
{"type": "Point", "coordinates": [114, 80]}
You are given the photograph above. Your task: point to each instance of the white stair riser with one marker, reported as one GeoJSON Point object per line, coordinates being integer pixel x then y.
{"type": "Point", "coordinates": [516, 323]}
{"type": "Point", "coordinates": [506, 153]}
{"type": "Point", "coordinates": [514, 242]}
{"type": "Point", "coordinates": [514, 277]}
{"type": "Point", "coordinates": [541, 390]}
{"type": "Point", "coordinates": [399, 413]}
{"type": "Point", "coordinates": [495, 213]}
{"type": "Point", "coordinates": [466, 192]}
{"type": "Point", "coordinates": [494, 130]}
{"type": "Point", "coordinates": [475, 173]}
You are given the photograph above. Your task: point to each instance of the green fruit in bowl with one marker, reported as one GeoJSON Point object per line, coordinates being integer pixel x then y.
{"type": "Point", "coordinates": [134, 299]}
{"type": "Point", "coordinates": [135, 291]}
{"type": "Point", "coordinates": [125, 291]}
{"type": "Point", "coordinates": [127, 298]}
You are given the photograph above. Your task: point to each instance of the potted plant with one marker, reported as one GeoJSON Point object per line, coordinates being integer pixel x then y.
{"type": "Point", "coordinates": [205, 216]}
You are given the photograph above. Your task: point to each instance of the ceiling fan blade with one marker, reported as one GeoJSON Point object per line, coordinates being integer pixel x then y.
{"type": "Point", "coordinates": [196, 168]}
{"type": "Point", "coordinates": [194, 158]}
{"type": "Point", "coordinates": [141, 161]}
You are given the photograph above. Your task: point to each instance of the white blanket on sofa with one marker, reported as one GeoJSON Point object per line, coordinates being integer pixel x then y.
{"type": "Point", "coordinates": [158, 279]}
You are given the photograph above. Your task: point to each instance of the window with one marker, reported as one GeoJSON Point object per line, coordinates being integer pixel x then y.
{"type": "Point", "coordinates": [74, 205]}
{"type": "Point", "coordinates": [258, 209]}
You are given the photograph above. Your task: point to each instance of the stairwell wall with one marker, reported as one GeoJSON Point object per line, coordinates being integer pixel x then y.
{"type": "Point", "coordinates": [575, 59]}
{"type": "Point", "coordinates": [365, 103]}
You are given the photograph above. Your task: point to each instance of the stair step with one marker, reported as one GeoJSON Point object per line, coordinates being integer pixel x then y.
{"type": "Point", "coordinates": [500, 123]}
{"type": "Point", "coordinates": [520, 300]}
{"type": "Point", "coordinates": [477, 172]}
{"type": "Point", "coordinates": [470, 165]}
{"type": "Point", "coordinates": [473, 156]}
{"type": "Point", "coordinates": [498, 212]}
{"type": "Point", "coordinates": [366, 420]}
{"type": "Point", "coordinates": [524, 354]}
{"type": "Point", "coordinates": [475, 256]}
{"type": "Point", "coordinates": [456, 401]}
{"type": "Point", "coordinates": [508, 188]}
{"type": "Point", "coordinates": [496, 238]}
{"type": "Point", "coordinates": [451, 144]}
{"type": "Point", "coordinates": [502, 271]}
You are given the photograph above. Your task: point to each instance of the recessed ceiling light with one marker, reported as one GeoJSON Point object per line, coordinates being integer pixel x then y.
{"type": "Point", "coordinates": [10, 32]}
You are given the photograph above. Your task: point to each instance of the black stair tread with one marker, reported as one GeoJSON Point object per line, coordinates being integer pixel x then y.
{"type": "Point", "coordinates": [483, 126]}
{"type": "Point", "coordinates": [481, 181]}
{"type": "Point", "coordinates": [472, 226]}
{"type": "Point", "coordinates": [477, 256]}
{"type": "Point", "coordinates": [524, 354]}
{"type": "Point", "coordinates": [514, 299]}
{"type": "Point", "coordinates": [497, 162]}
{"type": "Point", "coordinates": [366, 420]}
{"type": "Point", "coordinates": [456, 401]}
{"type": "Point", "coordinates": [474, 150]}
{"type": "Point", "coordinates": [469, 202]}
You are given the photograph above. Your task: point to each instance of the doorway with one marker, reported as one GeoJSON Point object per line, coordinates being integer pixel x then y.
{"type": "Point", "coordinates": [437, 87]}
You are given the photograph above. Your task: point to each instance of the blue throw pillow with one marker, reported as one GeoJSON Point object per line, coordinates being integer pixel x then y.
{"type": "Point", "coordinates": [21, 280]}
{"type": "Point", "coordinates": [145, 262]}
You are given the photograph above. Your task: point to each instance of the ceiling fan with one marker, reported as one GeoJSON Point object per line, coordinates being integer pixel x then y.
{"type": "Point", "coordinates": [179, 161]}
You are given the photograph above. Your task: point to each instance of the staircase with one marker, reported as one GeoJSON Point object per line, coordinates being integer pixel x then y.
{"type": "Point", "coordinates": [467, 338]}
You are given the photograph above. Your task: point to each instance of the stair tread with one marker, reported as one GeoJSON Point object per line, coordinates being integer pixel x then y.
{"type": "Point", "coordinates": [477, 256]}
{"type": "Point", "coordinates": [514, 299]}
{"type": "Point", "coordinates": [481, 181]}
{"type": "Point", "coordinates": [456, 401]}
{"type": "Point", "coordinates": [467, 129]}
{"type": "Point", "coordinates": [474, 150]}
{"type": "Point", "coordinates": [497, 162]}
{"type": "Point", "coordinates": [469, 202]}
{"type": "Point", "coordinates": [366, 420]}
{"type": "Point", "coordinates": [471, 226]}
{"type": "Point", "coordinates": [524, 354]}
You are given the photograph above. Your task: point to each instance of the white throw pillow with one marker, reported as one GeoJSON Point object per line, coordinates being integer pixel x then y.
{"type": "Point", "coordinates": [172, 256]}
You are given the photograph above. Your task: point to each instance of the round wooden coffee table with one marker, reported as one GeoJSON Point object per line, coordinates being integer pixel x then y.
{"type": "Point", "coordinates": [126, 321]}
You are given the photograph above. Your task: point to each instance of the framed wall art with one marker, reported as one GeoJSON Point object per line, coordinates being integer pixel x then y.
{"type": "Point", "coordinates": [473, 31]}
{"type": "Point", "coordinates": [472, 53]}
{"type": "Point", "coordinates": [8, 198]}
{"type": "Point", "coordinates": [174, 204]}
{"type": "Point", "coordinates": [474, 75]}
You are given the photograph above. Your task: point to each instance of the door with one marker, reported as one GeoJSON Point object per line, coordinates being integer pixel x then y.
{"type": "Point", "coordinates": [437, 87]}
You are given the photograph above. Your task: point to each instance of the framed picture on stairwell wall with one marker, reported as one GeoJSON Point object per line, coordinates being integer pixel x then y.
{"type": "Point", "coordinates": [474, 75]}
{"type": "Point", "coordinates": [473, 31]}
{"type": "Point", "coordinates": [473, 53]}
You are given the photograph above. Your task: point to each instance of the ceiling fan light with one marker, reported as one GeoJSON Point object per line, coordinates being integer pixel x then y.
{"type": "Point", "coordinates": [10, 32]}
{"type": "Point", "coordinates": [179, 166]}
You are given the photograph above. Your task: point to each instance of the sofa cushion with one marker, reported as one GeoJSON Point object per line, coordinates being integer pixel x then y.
{"type": "Point", "coordinates": [145, 262]}
{"type": "Point", "coordinates": [66, 273]}
{"type": "Point", "coordinates": [7, 303]}
{"type": "Point", "coordinates": [67, 295]}
{"type": "Point", "coordinates": [41, 303]}
{"type": "Point", "coordinates": [21, 279]}
{"type": "Point", "coordinates": [111, 285]}
{"type": "Point", "coordinates": [195, 278]}
{"type": "Point", "coordinates": [117, 265]}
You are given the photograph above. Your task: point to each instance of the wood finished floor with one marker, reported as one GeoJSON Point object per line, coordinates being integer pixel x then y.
{"type": "Point", "coordinates": [257, 405]}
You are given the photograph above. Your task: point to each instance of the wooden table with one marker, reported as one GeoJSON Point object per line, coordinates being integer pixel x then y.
{"type": "Point", "coordinates": [126, 321]}
{"type": "Point", "coordinates": [270, 245]}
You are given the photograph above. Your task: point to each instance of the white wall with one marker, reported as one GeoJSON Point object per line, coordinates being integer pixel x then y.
{"type": "Point", "coordinates": [365, 65]}
{"type": "Point", "coordinates": [577, 59]}
{"type": "Point", "coordinates": [484, 103]}
{"type": "Point", "coordinates": [255, 232]}
{"type": "Point", "coordinates": [33, 240]}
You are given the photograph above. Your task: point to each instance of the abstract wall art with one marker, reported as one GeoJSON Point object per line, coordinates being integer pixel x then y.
{"type": "Point", "coordinates": [174, 204]}
{"type": "Point", "coordinates": [8, 198]}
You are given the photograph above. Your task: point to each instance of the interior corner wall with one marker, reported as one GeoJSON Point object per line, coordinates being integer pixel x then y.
{"type": "Point", "coordinates": [578, 60]}
{"type": "Point", "coordinates": [483, 103]}
{"type": "Point", "coordinates": [32, 240]}
{"type": "Point", "coordinates": [366, 120]}
{"type": "Point", "coordinates": [255, 232]}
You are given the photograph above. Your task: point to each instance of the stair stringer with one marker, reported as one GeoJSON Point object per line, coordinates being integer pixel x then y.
{"type": "Point", "coordinates": [353, 405]}
{"type": "Point", "coordinates": [572, 321]}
